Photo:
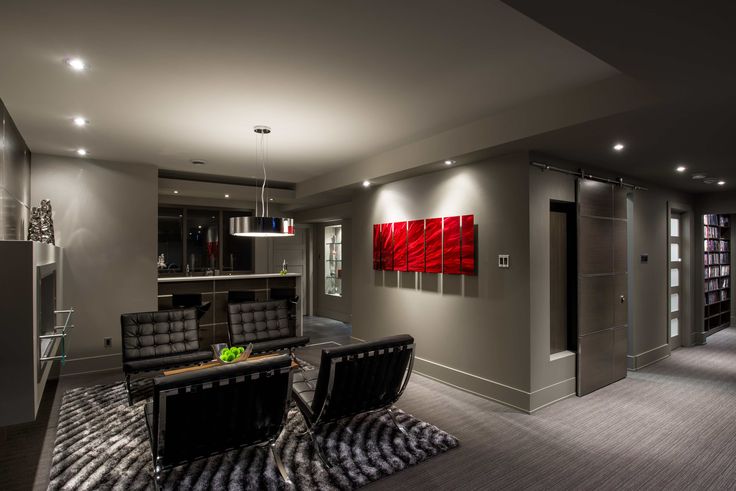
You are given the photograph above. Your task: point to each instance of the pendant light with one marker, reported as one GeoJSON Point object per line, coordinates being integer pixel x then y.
{"type": "Point", "coordinates": [263, 225]}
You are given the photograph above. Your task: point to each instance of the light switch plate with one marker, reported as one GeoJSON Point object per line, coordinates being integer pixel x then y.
{"type": "Point", "coordinates": [503, 260]}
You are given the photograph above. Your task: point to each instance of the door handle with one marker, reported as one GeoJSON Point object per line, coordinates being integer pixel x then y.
{"type": "Point", "coordinates": [622, 299]}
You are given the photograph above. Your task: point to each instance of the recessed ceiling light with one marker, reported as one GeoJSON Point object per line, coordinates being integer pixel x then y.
{"type": "Point", "coordinates": [176, 192]}
{"type": "Point", "coordinates": [80, 121]}
{"type": "Point", "coordinates": [449, 162]}
{"type": "Point", "coordinates": [618, 147]}
{"type": "Point", "coordinates": [366, 184]}
{"type": "Point", "coordinates": [270, 199]}
{"type": "Point", "coordinates": [721, 183]}
{"type": "Point", "coordinates": [227, 195]}
{"type": "Point", "coordinates": [697, 177]}
{"type": "Point", "coordinates": [76, 64]}
{"type": "Point", "coordinates": [81, 152]}
{"type": "Point", "coordinates": [681, 168]}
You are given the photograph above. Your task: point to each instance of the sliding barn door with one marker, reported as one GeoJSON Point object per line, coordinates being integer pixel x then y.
{"type": "Point", "coordinates": [602, 280]}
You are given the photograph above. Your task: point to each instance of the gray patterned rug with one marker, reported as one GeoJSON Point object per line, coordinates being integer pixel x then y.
{"type": "Point", "coordinates": [102, 443]}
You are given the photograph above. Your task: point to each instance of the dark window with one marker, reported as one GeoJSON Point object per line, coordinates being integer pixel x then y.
{"type": "Point", "coordinates": [203, 239]}
{"type": "Point", "coordinates": [170, 222]}
{"type": "Point", "coordinates": [237, 252]}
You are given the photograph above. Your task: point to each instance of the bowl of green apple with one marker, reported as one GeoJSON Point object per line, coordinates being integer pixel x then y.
{"type": "Point", "coordinates": [231, 355]}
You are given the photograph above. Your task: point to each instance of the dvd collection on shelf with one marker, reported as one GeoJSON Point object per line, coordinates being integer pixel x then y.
{"type": "Point", "coordinates": [717, 271]}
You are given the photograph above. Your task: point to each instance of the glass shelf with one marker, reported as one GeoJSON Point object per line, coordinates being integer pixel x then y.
{"type": "Point", "coordinates": [333, 260]}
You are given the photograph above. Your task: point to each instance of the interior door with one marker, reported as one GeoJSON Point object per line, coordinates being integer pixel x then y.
{"type": "Point", "coordinates": [602, 285]}
{"type": "Point", "coordinates": [675, 280]}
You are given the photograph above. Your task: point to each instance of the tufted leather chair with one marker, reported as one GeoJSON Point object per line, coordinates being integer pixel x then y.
{"type": "Point", "coordinates": [210, 411]}
{"type": "Point", "coordinates": [265, 324]}
{"type": "Point", "coordinates": [354, 379]}
{"type": "Point", "coordinates": [154, 341]}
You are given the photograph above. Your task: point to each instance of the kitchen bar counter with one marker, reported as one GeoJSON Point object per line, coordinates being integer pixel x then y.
{"type": "Point", "coordinates": [173, 279]}
{"type": "Point", "coordinates": [214, 289]}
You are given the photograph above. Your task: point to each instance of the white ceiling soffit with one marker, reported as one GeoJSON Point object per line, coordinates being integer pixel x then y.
{"type": "Point", "coordinates": [339, 81]}
{"type": "Point", "coordinates": [477, 139]}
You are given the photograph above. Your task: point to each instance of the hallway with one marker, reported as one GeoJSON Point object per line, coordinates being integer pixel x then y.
{"type": "Point", "coordinates": [668, 426]}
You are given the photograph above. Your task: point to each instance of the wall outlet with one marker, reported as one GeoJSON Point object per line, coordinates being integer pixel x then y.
{"type": "Point", "coordinates": [108, 342]}
{"type": "Point", "coordinates": [503, 260]}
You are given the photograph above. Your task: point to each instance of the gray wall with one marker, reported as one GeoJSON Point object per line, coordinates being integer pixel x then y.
{"type": "Point", "coordinates": [105, 221]}
{"type": "Point", "coordinates": [471, 331]}
{"type": "Point", "coordinates": [15, 180]}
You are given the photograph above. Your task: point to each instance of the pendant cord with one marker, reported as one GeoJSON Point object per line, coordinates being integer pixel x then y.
{"type": "Point", "coordinates": [263, 162]}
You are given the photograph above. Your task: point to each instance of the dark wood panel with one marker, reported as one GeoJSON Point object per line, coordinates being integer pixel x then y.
{"type": "Point", "coordinates": [595, 199]}
{"type": "Point", "coordinates": [185, 287]}
{"type": "Point", "coordinates": [620, 247]}
{"type": "Point", "coordinates": [620, 349]}
{"type": "Point", "coordinates": [619, 203]}
{"type": "Point", "coordinates": [595, 252]}
{"type": "Point", "coordinates": [595, 361]}
{"type": "Point", "coordinates": [620, 308]}
{"type": "Point", "coordinates": [595, 311]}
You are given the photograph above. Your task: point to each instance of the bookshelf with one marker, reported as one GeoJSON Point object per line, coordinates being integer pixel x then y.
{"type": "Point", "coordinates": [717, 271]}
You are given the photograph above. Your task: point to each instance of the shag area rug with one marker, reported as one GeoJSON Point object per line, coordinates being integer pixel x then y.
{"type": "Point", "coordinates": [102, 443]}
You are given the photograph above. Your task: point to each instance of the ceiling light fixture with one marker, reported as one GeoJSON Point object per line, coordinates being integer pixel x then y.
{"type": "Point", "coordinates": [227, 195]}
{"type": "Point", "coordinates": [80, 121]}
{"type": "Point", "coordinates": [176, 192]}
{"type": "Point", "coordinates": [366, 184]}
{"type": "Point", "coordinates": [76, 64]}
{"type": "Point", "coordinates": [449, 162]}
{"type": "Point", "coordinates": [721, 183]}
{"type": "Point", "coordinates": [81, 152]}
{"type": "Point", "coordinates": [619, 146]}
{"type": "Point", "coordinates": [263, 225]}
{"type": "Point", "coordinates": [681, 168]}
{"type": "Point", "coordinates": [698, 177]}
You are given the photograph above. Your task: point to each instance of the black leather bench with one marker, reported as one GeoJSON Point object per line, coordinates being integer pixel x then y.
{"type": "Point", "coordinates": [155, 341]}
{"type": "Point", "coordinates": [265, 324]}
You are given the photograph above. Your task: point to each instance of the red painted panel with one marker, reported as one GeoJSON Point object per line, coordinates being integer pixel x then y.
{"type": "Point", "coordinates": [376, 246]}
{"type": "Point", "coordinates": [400, 247]}
{"type": "Point", "coordinates": [433, 245]}
{"type": "Point", "coordinates": [467, 253]}
{"type": "Point", "coordinates": [416, 245]}
{"type": "Point", "coordinates": [387, 247]}
{"type": "Point", "coordinates": [451, 245]}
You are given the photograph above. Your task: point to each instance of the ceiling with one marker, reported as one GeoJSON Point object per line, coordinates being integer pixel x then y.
{"type": "Point", "coordinates": [357, 89]}
{"type": "Point", "coordinates": [338, 81]}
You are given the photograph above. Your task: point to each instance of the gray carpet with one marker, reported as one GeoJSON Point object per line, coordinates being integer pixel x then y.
{"type": "Point", "coordinates": [669, 426]}
{"type": "Point", "coordinates": [102, 443]}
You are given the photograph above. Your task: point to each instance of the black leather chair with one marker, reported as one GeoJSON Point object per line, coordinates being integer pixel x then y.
{"type": "Point", "coordinates": [265, 324]}
{"type": "Point", "coordinates": [354, 379]}
{"type": "Point", "coordinates": [207, 412]}
{"type": "Point", "coordinates": [154, 341]}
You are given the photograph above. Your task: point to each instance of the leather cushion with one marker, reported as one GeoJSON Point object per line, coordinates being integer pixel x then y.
{"type": "Point", "coordinates": [302, 387]}
{"type": "Point", "coordinates": [280, 344]}
{"type": "Point", "coordinates": [162, 362]}
{"type": "Point", "coordinates": [161, 333]}
{"type": "Point", "coordinates": [250, 322]}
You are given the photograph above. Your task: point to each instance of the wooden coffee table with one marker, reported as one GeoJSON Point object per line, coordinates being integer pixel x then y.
{"type": "Point", "coordinates": [215, 363]}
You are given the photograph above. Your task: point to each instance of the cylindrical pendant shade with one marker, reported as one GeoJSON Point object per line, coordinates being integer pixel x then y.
{"type": "Point", "coordinates": [262, 227]}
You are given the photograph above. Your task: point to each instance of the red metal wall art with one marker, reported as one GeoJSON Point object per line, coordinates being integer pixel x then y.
{"type": "Point", "coordinates": [432, 245]}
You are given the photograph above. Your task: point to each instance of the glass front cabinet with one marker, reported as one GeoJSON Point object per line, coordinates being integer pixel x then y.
{"type": "Point", "coordinates": [333, 260]}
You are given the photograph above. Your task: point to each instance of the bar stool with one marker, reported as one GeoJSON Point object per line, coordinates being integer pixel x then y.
{"type": "Point", "coordinates": [240, 296]}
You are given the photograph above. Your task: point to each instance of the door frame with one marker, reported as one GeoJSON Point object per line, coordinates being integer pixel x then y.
{"type": "Point", "coordinates": [685, 324]}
